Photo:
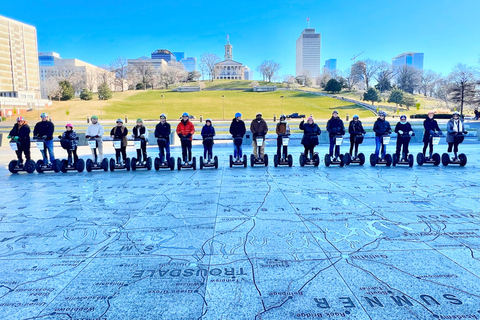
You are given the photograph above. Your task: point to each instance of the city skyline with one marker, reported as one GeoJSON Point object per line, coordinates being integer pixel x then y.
{"type": "Point", "coordinates": [446, 34]}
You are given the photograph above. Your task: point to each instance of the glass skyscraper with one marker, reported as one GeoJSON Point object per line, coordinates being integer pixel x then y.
{"type": "Point", "coordinates": [330, 65]}
{"type": "Point", "coordinates": [163, 54]}
{"type": "Point", "coordinates": [413, 59]}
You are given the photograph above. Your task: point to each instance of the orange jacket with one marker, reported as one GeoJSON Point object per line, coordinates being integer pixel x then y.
{"type": "Point", "coordinates": [186, 128]}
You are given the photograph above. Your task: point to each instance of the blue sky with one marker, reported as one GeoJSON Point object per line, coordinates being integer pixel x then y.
{"type": "Point", "coordinates": [448, 32]}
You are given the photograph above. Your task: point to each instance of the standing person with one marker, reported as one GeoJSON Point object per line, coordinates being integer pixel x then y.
{"type": "Point", "coordinates": [120, 132]}
{"type": "Point", "coordinates": [208, 132]}
{"type": "Point", "coordinates": [454, 127]}
{"type": "Point", "coordinates": [141, 132]}
{"type": "Point", "coordinates": [259, 128]}
{"type": "Point", "coordinates": [68, 139]}
{"type": "Point", "coordinates": [162, 131]}
{"type": "Point", "coordinates": [477, 113]}
{"type": "Point", "coordinates": [311, 131]}
{"type": "Point", "coordinates": [401, 129]}
{"type": "Point", "coordinates": [282, 129]}
{"type": "Point", "coordinates": [335, 128]}
{"type": "Point", "coordinates": [95, 131]}
{"type": "Point", "coordinates": [44, 130]}
{"type": "Point", "coordinates": [381, 127]}
{"type": "Point", "coordinates": [21, 133]}
{"type": "Point", "coordinates": [431, 128]}
{"type": "Point", "coordinates": [237, 130]}
{"type": "Point", "coordinates": [185, 131]}
{"type": "Point", "coordinates": [355, 128]}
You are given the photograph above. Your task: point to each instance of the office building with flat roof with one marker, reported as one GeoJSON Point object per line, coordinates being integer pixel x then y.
{"type": "Point", "coordinates": [330, 65]}
{"type": "Point", "coordinates": [414, 59]}
{"type": "Point", "coordinates": [308, 54]}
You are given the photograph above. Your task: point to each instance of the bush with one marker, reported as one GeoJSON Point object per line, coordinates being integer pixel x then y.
{"type": "Point", "coordinates": [86, 94]}
{"type": "Point", "coordinates": [333, 86]}
{"type": "Point", "coordinates": [104, 92]}
{"type": "Point", "coordinates": [66, 90]}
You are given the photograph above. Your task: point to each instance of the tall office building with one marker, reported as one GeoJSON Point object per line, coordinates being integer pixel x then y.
{"type": "Point", "coordinates": [247, 73]}
{"type": "Point", "coordinates": [19, 71]}
{"type": "Point", "coordinates": [330, 65]}
{"type": "Point", "coordinates": [164, 54]}
{"type": "Point", "coordinates": [308, 53]}
{"type": "Point", "coordinates": [190, 64]}
{"type": "Point", "coordinates": [414, 59]}
{"type": "Point", "coordinates": [179, 55]}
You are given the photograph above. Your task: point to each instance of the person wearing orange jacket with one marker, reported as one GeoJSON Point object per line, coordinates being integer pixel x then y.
{"type": "Point", "coordinates": [185, 131]}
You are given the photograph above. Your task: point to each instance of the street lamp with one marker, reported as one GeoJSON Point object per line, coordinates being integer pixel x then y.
{"type": "Point", "coordinates": [223, 97]}
{"type": "Point", "coordinates": [281, 97]}
{"type": "Point", "coordinates": [163, 103]}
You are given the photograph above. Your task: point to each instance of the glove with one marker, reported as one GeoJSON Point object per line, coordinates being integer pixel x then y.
{"type": "Point", "coordinates": [188, 135]}
{"type": "Point", "coordinates": [389, 132]}
{"type": "Point", "coordinates": [465, 132]}
{"type": "Point", "coordinates": [142, 136]}
{"type": "Point", "coordinates": [400, 131]}
{"type": "Point", "coordinates": [112, 137]}
{"type": "Point", "coordinates": [97, 136]}
{"type": "Point", "coordinates": [9, 137]}
{"type": "Point", "coordinates": [432, 132]}
{"type": "Point", "coordinates": [364, 132]}
{"type": "Point", "coordinates": [411, 133]}
{"type": "Point", "coordinates": [44, 137]}
{"type": "Point", "coordinates": [180, 135]}
{"type": "Point", "coordinates": [59, 137]}
{"type": "Point", "coordinates": [133, 136]}
{"type": "Point", "coordinates": [440, 133]}
{"type": "Point", "coordinates": [15, 138]}
{"type": "Point", "coordinates": [87, 137]}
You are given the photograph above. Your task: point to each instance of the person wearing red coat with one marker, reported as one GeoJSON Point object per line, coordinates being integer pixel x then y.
{"type": "Point", "coordinates": [185, 131]}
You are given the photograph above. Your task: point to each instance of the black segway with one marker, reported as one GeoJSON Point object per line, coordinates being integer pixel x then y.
{"type": "Point", "coordinates": [405, 159]}
{"type": "Point", "coordinates": [432, 158]}
{"type": "Point", "coordinates": [41, 166]}
{"type": "Point", "coordinates": [94, 164]}
{"type": "Point", "coordinates": [119, 164]}
{"type": "Point", "coordinates": [337, 160]}
{"type": "Point", "coordinates": [14, 166]}
{"type": "Point", "coordinates": [259, 161]}
{"type": "Point", "coordinates": [461, 159]}
{"type": "Point", "coordinates": [374, 159]}
{"type": "Point", "coordinates": [358, 158]}
{"type": "Point", "coordinates": [68, 164]}
{"type": "Point", "coordinates": [166, 163]}
{"type": "Point", "coordinates": [136, 163]}
{"type": "Point", "coordinates": [209, 164]}
{"type": "Point", "coordinates": [313, 161]}
{"type": "Point", "coordinates": [282, 161]}
{"type": "Point", "coordinates": [238, 161]}
{"type": "Point", "coordinates": [186, 165]}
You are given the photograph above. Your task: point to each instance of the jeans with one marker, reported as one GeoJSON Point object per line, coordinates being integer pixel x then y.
{"type": "Point", "coordinates": [208, 152]}
{"type": "Point", "coordinates": [49, 147]}
{"type": "Point", "coordinates": [378, 145]}
{"type": "Point", "coordinates": [453, 145]}
{"type": "Point", "coordinates": [237, 151]}
{"type": "Point", "coordinates": [187, 150]}
{"type": "Point", "coordinates": [333, 145]}
{"type": "Point", "coordinates": [123, 151]}
{"type": "Point", "coordinates": [72, 153]}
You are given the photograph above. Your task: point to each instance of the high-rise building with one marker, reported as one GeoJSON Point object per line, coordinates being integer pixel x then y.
{"type": "Point", "coordinates": [247, 73]}
{"type": "Point", "coordinates": [414, 59]}
{"type": "Point", "coordinates": [190, 64]}
{"type": "Point", "coordinates": [179, 55]}
{"type": "Point", "coordinates": [19, 72]}
{"type": "Point", "coordinates": [164, 54]}
{"type": "Point", "coordinates": [330, 65]}
{"type": "Point", "coordinates": [308, 54]}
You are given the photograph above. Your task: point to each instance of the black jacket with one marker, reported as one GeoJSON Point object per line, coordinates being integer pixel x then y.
{"type": "Point", "coordinates": [138, 131]}
{"type": "Point", "coordinates": [405, 128]}
{"type": "Point", "coordinates": [335, 127]}
{"type": "Point", "coordinates": [310, 133]}
{"type": "Point", "coordinates": [163, 131]}
{"type": "Point", "coordinates": [22, 133]}
{"type": "Point", "coordinates": [117, 132]}
{"type": "Point", "coordinates": [44, 128]}
{"type": "Point", "coordinates": [356, 128]}
{"type": "Point", "coordinates": [430, 125]}
{"type": "Point", "coordinates": [382, 127]}
{"type": "Point", "coordinates": [237, 128]}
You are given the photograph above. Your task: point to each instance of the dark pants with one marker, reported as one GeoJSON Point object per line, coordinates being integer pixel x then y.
{"type": "Point", "coordinates": [25, 150]}
{"type": "Point", "coordinates": [142, 150]}
{"type": "Point", "coordinates": [123, 151]}
{"type": "Point", "coordinates": [430, 145]}
{"type": "Point", "coordinates": [186, 150]}
{"type": "Point", "coordinates": [401, 143]}
{"type": "Point", "coordinates": [453, 145]}
{"type": "Point", "coordinates": [164, 148]}
{"type": "Point", "coordinates": [279, 149]}
{"type": "Point", "coordinates": [333, 145]}
{"type": "Point", "coordinates": [74, 154]}
{"type": "Point", "coordinates": [309, 148]}
{"type": "Point", "coordinates": [353, 144]}
{"type": "Point", "coordinates": [208, 149]}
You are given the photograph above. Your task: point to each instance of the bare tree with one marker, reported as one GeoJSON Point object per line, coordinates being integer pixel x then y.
{"type": "Point", "coordinates": [105, 76]}
{"type": "Point", "coordinates": [172, 74]}
{"type": "Point", "coordinates": [408, 78]}
{"type": "Point", "coordinates": [49, 85]}
{"type": "Point", "coordinates": [91, 80]}
{"type": "Point", "coordinates": [208, 60]}
{"type": "Point", "coordinates": [428, 80]}
{"type": "Point", "coordinates": [351, 79]}
{"type": "Point", "coordinates": [384, 77]}
{"type": "Point", "coordinates": [289, 81]}
{"type": "Point", "coordinates": [120, 67]}
{"type": "Point", "coordinates": [366, 70]}
{"type": "Point", "coordinates": [323, 78]}
{"type": "Point", "coordinates": [442, 89]}
{"type": "Point", "coordinates": [464, 81]}
{"type": "Point", "coordinates": [269, 69]}
{"type": "Point", "coordinates": [142, 73]}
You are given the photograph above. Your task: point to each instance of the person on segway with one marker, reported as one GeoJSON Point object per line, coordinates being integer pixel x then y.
{"type": "Point", "coordinates": [141, 132]}
{"type": "Point", "coordinates": [95, 131]}
{"type": "Point", "coordinates": [185, 131]}
{"type": "Point", "coordinates": [162, 131]}
{"type": "Point", "coordinates": [311, 131]}
{"type": "Point", "coordinates": [44, 130]}
{"type": "Point", "coordinates": [403, 129]}
{"type": "Point", "coordinates": [237, 130]}
{"type": "Point", "coordinates": [68, 140]}
{"type": "Point", "coordinates": [381, 127]}
{"type": "Point", "coordinates": [455, 129]}
{"type": "Point", "coordinates": [282, 129]}
{"type": "Point", "coordinates": [120, 132]}
{"type": "Point", "coordinates": [208, 132]}
{"type": "Point", "coordinates": [431, 128]}
{"type": "Point", "coordinates": [335, 128]}
{"type": "Point", "coordinates": [259, 128]}
{"type": "Point", "coordinates": [355, 128]}
{"type": "Point", "coordinates": [21, 133]}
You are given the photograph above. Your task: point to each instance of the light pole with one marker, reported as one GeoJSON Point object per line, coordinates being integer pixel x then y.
{"type": "Point", "coordinates": [281, 97]}
{"type": "Point", "coordinates": [223, 97]}
{"type": "Point", "coordinates": [163, 103]}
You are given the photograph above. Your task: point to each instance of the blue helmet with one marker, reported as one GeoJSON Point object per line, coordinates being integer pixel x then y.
{"type": "Point", "coordinates": [185, 114]}
{"type": "Point", "coordinates": [238, 114]}
{"type": "Point", "coordinates": [355, 116]}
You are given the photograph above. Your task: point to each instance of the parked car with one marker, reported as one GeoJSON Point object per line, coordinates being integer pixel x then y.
{"type": "Point", "coordinates": [295, 116]}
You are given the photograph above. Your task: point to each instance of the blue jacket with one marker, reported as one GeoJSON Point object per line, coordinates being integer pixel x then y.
{"type": "Point", "coordinates": [208, 131]}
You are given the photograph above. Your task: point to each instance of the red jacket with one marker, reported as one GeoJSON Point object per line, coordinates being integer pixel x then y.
{"type": "Point", "coordinates": [185, 128]}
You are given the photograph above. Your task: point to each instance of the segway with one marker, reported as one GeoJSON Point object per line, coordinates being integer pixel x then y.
{"type": "Point", "coordinates": [41, 166]}
{"type": "Point", "coordinates": [209, 164]}
{"type": "Point", "coordinates": [166, 163]}
{"type": "Point", "coordinates": [259, 161]}
{"type": "Point", "coordinates": [431, 159]}
{"type": "Point", "coordinates": [136, 163]}
{"type": "Point", "coordinates": [337, 160]}
{"type": "Point", "coordinates": [14, 166]}
{"type": "Point", "coordinates": [461, 159]}
{"type": "Point", "coordinates": [374, 159]}
{"type": "Point", "coordinates": [405, 159]}
{"type": "Point", "coordinates": [95, 165]}
{"type": "Point", "coordinates": [238, 161]}
{"type": "Point", "coordinates": [67, 164]}
{"type": "Point", "coordinates": [186, 165]}
{"type": "Point", "coordinates": [313, 161]}
{"type": "Point", "coordinates": [282, 161]}
{"type": "Point", "coordinates": [357, 158]}
{"type": "Point", "coordinates": [119, 164]}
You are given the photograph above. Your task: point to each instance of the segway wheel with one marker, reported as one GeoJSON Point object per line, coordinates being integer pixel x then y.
{"type": "Point", "coordinates": [420, 159]}
{"type": "Point", "coordinates": [290, 160]}
{"type": "Point", "coordinates": [252, 160]}
{"type": "Point", "coordinates": [149, 163]}
{"type": "Point", "coordinates": [463, 159]}
{"type": "Point", "coordinates": [80, 165]}
{"type": "Point", "coordinates": [157, 164]}
{"type": "Point", "coordinates": [63, 166]}
{"type": "Point", "coordinates": [361, 157]}
{"type": "Point", "coordinates": [445, 159]}
{"type": "Point", "coordinates": [194, 163]}
{"type": "Point", "coordinates": [112, 164]}
{"type": "Point", "coordinates": [105, 164]}
{"type": "Point", "coordinates": [410, 160]}
{"type": "Point", "coordinates": [88, 165]}
{"type": "Point", "coordinates": [275, 161]}
{"type": "Point", "coordinates": [56, 165]}
{"type": "Point", "coordinates": [244, 160]}
{"type": "Point", "coordinates": [230, 161]}
{"type": "Point", "coordinates": [373, 160]}
{"type": "Point", "coordinates": [436, 159]}
{"type": "Point", "coordinates": [265, 159]}
{"type": "Point", "coordinates": [39, 165]}
{"type": "Point", "coordinates": [128, 164]}
{"type": "Point", "coordinates": [302, 160]}
{"type": "Point", "coordinates": [171, 162]}
{"type": "Point", "coordinates": [342, 161]}
{"type": "Point", "coordinates": [30, 166]}
{"type": "Point", "coordinates": [395, 160]}
{"type": "Point", "coordinates": [179, 164]}
{"type": "Point", "coordinates": [215, 162]}
{"type": "Point", "coordinates": [133, 165]}
{"type": "Point", "coordinates": [388, 158]}
{"type": "Point", "coordinates": [316, 160]}
{"type": "Point", "coordinates": [347, 158]}
{"type": "Point", "coordinates": [201, 163]}
{"type": "Point", "coordinates": [327, 160]}
{"type": "Point", "coordinates": [12, 165]}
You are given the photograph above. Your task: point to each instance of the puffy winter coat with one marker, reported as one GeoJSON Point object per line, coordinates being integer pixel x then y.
{"type": "Point", "coordinates": [163, 130]}
{"type": "Point", "coordinates": [310, 133]}
{"type": "Point", "coordinates": [282, 128]}
{"type": "Point", "coordinates": [335, 127]}
{"type": "Point", "coordinates": [430, 125]}
{"type": "Point", "coordinates": [120, 133]}
{"type": "Point", "coordinates": [71, 137]}
{"type": "Point", "coordinates": [405, 128]}
{"type": "Point", "coordinates": [139, 131]}
{"type": "Point", "coordinates": [186, 129]}
{"type": "Point", "coordinates": [258, 128]}
{"type": "Point", "coordinates": [451, 128]}
{"type": "Point", "coordinates": [237, 128]}
{"type": "Point", "coordinates": [23, 134]}
{"type": "Point", "coordinates": [44, 128]}
{"type": "Point", "coordinates": [94, 130]}
{"type": "Point", "coordinates": [208, 132]}
{"type": "Point", "coordinates": [382, 127]}
{"type": "Point", "coordinates": [356, 128]}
